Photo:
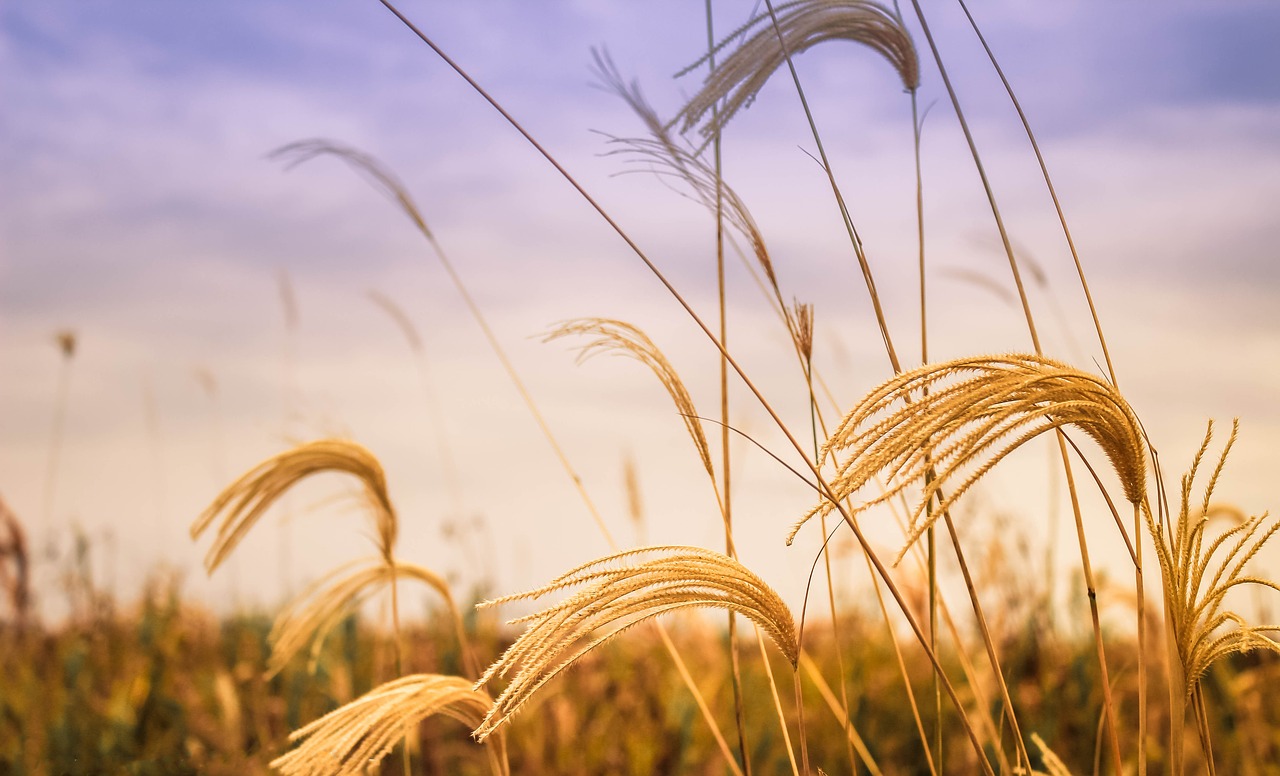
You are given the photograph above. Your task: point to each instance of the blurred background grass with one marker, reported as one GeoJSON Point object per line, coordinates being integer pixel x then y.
{"type": "Point", "coordinates": [163, 686]}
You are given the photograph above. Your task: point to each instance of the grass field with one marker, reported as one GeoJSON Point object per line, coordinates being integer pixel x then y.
{"type": "Point", "coordinates": [1113, 621]}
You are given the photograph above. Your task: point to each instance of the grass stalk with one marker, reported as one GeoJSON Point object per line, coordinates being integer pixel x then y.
{"type": "Point", "coordinates": [66, 341]}
{"type": "Point", "coordinates": [902, 671]}
{"type": "Point", "coordinates": [824, 489]}
{"type": "Point", "coordinates": [1108, 705]}
{"type": "Point", "coordinates": [398, 636]}
{"type": "Point", "coordinates": [726, 503]}
{"type": "Point", "coordinates": [1053, 194]}
{"type": "Point", "coordinates": [854, 239]}
{"type": "Point", "coordinates": [806, 350]}
{"type": "Point", "coordinates": [841, 713]}
{"type": "Point", "coordinates": [449, 467]}
{"type": "Point", "coordinates": [777, 702]}
{"type": "Point", "coordinates": [1106, 354]}
{"type": "Point", "coordinates": [803, 735]}
{"type": "Point", "coordinates": [687, 677]}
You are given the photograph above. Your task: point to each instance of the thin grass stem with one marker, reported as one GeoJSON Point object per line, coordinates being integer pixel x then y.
{"type": "Point", "coordinates": [1035, 341]}
{"type": "Point", "coordinates": [747, 382]}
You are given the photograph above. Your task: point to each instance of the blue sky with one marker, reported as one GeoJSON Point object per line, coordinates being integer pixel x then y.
{"type": "Point", "coordinates": [137, 206]}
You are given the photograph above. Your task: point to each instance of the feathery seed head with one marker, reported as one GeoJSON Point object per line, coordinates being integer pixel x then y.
{"type": "Point", "coordinates": [620, 591]}
{"type": "Point", "coordinates": [240, 505]}
{"type": "Point", "coordinates": [622, 338]}
{"type": "Point", "coordinates": [354, 737]}
{"type": "Point", "coordinates": [382, 178]}
{"type": "Point", "coordinates": [977, 410]}
{"type": "Point", "coordinates": [328, 601]}
{"type": "Point", "coordinates": [673, 159]}
{"type": "Point", "coordinates": [802, 24]}
{"type": "Point", "coordinates": [66, 340]}
{"type": "Point", "coordinates": [1195, 587]}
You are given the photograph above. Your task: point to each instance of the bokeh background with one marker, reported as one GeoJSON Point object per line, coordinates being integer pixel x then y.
{"type": "Point", "coordinates": [221, 307]}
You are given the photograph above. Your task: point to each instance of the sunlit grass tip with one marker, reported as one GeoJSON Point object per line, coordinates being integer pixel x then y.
{"type": "Point", "coordinates": [238, 507]}
{"type": "Point", "coordinates": [802, 24]}
{"type": "Point", "coordinates": [620, 591]}
{"type": "Point", "coordinates": [976, 411]}
{"type": "Point", "coordinates": [355, 737]}
{"type": "Point", "coordinates": [328, 601]}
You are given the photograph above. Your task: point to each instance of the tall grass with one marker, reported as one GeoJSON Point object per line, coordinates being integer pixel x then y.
{"type": "Point", "coordinates": [919, 442]}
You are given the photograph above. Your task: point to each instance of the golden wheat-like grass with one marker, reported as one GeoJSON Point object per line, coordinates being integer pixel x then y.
{"type": "Point", "coordinates": [323, 605]}
{"type": "Point", "coordinates": [1054, 766]}
{"type": "Point", "coordinates": [619, 337]}
{"type": "Point", "coordinates": [672, 159]}
{"type": "Point", "coordinates": [618, 592]}
{"type": "Point", "coordinates": [239, 506]}
{"type": "Point", "coordinates": [1197, 577]}
{"type": "Point", "coordinates": [976, 411]}
{"type": "Point", "coordinates": [355, 737]}
{"type": "Point", "coordinates": [733, 84]}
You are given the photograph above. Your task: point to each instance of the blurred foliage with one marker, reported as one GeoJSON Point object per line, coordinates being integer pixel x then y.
{"type": "Point", "coordinates": [164, 687]}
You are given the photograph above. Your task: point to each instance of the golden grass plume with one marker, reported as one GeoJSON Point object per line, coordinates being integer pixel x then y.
{"type": "Point", "coordinates": [976, 411]}
{"type": "Point", "coordinates": [670, 158]}
{"type": "Point", "coordinates": [612, 336]}
{"type": "Point", "coordinates": [239, 506]}
{"type": "Point", "coordinates": [324, 604]}
{"type": "Point", "coordinates": [1054, 766]}
{"type": "Point", "coordinates": [620, 591]}
{"type": "Point", "coordinates": [802, 24]}
{"type": "Point", "coordinates": [1197, 577]}
{"type": "Point", "coordinates": [352, 738]}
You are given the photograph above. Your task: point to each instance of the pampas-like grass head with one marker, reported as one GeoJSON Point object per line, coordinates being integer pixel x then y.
{"type": "Point", "coordinates": [802, 25]}
{"type": "Point", "coordinates": [313, 614]}
{"type": "Point", "coordinates": [611, 336]}
{"type": "Point", "coordinates": [1054, 766]}
{"type": "Point", "coordinates": [620, 591]}
{"type": "Point", "coordinates": [240, 505]}
{"type": "Point", "coordinates": [977, 410]}
{"type": "Point", "coordinates": [673, 159]}
{"type": "Point", "coordinates": [365, 165]}
{"type": "Point", "coordinates": [1196, 581]}
{"type": "Point", "coordinates": [355, 737]}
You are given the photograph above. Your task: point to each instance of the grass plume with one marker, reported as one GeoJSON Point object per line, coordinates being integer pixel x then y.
{"type": "Point", "coordinates": [977, 411]}
{"type": "Point", "coordinates": [800, 25]}
{"type": "Point", "coordinates": [350, 739]}
{"type": "Point", "coordinates": [620, 591]}
{"type": "Point", "coordinates": [328, 601]}
{"type": "Point", "coordinates": [244, 501]}
{"type": "Point", "coordinates": [621, 338]}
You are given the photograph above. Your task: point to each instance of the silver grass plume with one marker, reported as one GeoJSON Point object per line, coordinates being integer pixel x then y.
{"type": "Point", "coordinates": [620, 591]}
{"type": "Point", "coordinates": [802, 24]}
{"type": "Point", "coordinates": [671, 158]}
{"type": "Point", "coordinates": [944, 426]}
{"type": "Point", "coordinates": [613, 336]}
{"type": "Point", "coordinates": [1197, 577]}
{"type": "Point", "coordinates": [353, 738]}
{"type": "Point", "coordinates": [322, 606]}
{"type": "Point", "coordinates": [240, 505]}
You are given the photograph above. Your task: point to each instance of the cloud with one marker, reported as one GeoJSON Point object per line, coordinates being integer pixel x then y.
{"type": "Point", "coordinates": [138, 207]}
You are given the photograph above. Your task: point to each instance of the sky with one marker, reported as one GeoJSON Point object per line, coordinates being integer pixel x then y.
{"type": "Point", "coordinates": [221, 304]}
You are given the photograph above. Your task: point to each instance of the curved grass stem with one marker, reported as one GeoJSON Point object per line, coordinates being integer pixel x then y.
{"type": "Point", "coordinates": [747, 382]}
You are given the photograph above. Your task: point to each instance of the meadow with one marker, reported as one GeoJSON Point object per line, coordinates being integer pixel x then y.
{"type": "Point", "coordinates": [931, 632]}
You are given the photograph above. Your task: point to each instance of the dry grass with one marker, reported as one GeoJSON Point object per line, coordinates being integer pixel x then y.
{"type": "Point", "coordinates": [796, 26]}
{"type": "Point", "coordinates": [944, 426]}
{"type": "Point", "coordinates": [242, 503]}
{"type": "Point", "coordinates": [619, 592]}
{"type": "Point", "coordinates": [355, 737]}
{"type": "Point", "coordinates": [930, 435]}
